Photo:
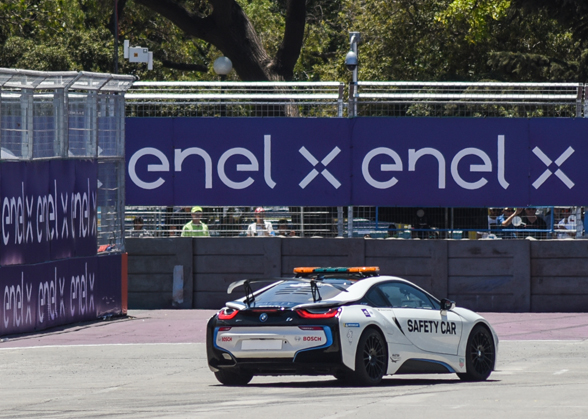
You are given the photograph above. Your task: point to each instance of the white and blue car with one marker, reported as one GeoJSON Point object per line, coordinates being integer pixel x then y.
{"type": "Point", "coordinates": [348, 322]}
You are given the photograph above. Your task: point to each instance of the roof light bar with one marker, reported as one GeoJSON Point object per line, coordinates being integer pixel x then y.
{"type": "Point", "coordinates": [330, 270]}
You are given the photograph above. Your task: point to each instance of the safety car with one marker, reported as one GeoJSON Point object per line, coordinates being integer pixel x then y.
{"type": "Point", "coordinates": [352, 323]}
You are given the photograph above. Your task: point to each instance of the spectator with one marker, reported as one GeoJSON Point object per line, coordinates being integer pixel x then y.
{"type": "Point", "coordinates": [564, 220]}
{"type": "Point", "coordinates": [260, 227]}
{"type": "Point", "coordinates": [195, 228]}
{"type": "Point", "coordinates": [421, 226]}
{"type": "Point", "coordinates": [230, 224]}
{"type": "Point", "coordinates": [493, 216]}
{"type": "Point", "coordinates": [137, 230]}
{"type": "Point", "coordinates": [284, 229]}
{"type": "Point", "coordinates": [176, 218]}
{"type": "Point", "coordinates": [392, 230]}
{"type": "Point", "coordinates": [532, 222]}
{"type": "Point", "coordinates": [505, 221]}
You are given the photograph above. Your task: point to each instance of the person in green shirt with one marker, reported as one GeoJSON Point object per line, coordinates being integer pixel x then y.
{"type": "Point", "coordinates": [195, 228]}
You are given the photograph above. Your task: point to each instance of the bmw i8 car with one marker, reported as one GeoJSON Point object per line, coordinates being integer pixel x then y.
{"type": "Point", "coordinates": [352, 323]}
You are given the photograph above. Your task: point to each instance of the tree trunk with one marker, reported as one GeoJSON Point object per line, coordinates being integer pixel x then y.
{"type": "Point", "coordinates": [228, 28]}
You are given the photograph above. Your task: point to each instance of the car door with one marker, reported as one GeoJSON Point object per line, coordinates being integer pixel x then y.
{"type": "Point", "coordinates": [421, 319]}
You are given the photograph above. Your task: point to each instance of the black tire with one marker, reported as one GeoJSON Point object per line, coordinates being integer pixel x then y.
{"type": "Point", "coordinates": [233, 378]}
{"type": "Point", "coordinates": [480, 355]}
{"type": "Point", "coordinates": [371, 359]}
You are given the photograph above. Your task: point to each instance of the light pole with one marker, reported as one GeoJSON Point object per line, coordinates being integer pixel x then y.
{"type": "Point", "coordinates": [351, 62]}
{"type": "Point", "coordinates": [222, 66]}
{"type": "Point", "coordinates": [115, 36]}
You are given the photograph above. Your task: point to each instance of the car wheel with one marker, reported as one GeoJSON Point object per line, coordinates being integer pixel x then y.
{"type": "Point", "coordinates": [371, 359]}
{"type": "Point", "coordinates": [233, 378]}
{"type": "Point", "coordinates": [480, 355]}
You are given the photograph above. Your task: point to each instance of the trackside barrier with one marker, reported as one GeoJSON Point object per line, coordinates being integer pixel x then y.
{"type": "Point", "coordinates": [56, 293]}
{"type": "Point", "coordinates": [482, 275]}
{"type": "Point", "coordinates": [61, 197]}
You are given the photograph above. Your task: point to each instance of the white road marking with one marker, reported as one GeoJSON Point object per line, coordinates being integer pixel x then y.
{"type": "Point", "coordinates": [560, 372]}
{"type": "Point", "coordinates": [97, 345]}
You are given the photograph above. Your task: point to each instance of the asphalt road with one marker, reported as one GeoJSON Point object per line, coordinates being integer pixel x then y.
{"type": "Point", "coordinates": [153, 365]}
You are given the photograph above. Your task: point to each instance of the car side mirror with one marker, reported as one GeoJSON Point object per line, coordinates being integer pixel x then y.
{"type": "Point", "coordinates": [447, 304]}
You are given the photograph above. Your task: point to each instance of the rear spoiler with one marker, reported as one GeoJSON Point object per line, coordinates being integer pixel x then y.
{"type": "Point", "coordinates": [250, 295]}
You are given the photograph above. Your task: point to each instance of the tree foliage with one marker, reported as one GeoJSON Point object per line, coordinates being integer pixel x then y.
{"type": "Point", "coordinates": [505, 40]}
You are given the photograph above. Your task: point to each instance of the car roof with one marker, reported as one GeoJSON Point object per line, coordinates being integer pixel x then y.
{"type": "Point", "coordinates": [355, 292]}
{"type": "Point", "coordinates": [360, 287]}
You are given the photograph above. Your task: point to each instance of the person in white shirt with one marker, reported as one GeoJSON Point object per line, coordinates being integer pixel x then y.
{"type": "Point", "coordinates": [260, 227]}
{"type": "Point", "coordinates": [564, 220]}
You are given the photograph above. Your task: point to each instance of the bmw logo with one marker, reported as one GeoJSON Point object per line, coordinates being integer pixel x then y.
{"type": "Point", "coordinates": [263, 317]}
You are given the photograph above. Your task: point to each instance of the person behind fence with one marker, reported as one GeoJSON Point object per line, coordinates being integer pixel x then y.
{"type": "Point", "coordinates": [564, 223]}
{"type": "Point", "coordinates": [421, 227]}
{"type": "Point", "coordinates": [195, 228]}
{"type": "Point", "coordinates": [530, 221]}
{"type": "Point", "coordinates": [392, 230]}
{"type": "Point", "coordinates": [505, 221]}
{"type": "Point", "coordinates": [284, 229]}
{"type": "Point", "coordinates": [493, 217]}
{"type": "Point", "coordinates": [176, 218]}
{"type": "Point", "coordinates": [137, 230]}
{"type": "Point", "coordinates": [261, 227]}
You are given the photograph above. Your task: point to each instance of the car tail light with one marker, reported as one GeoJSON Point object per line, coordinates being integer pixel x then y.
{"type": "Point", "coordinates": [330, 313]}
{"type": "Point", "coordinates": [227, 314]}
{"type": "Point", "coordinates": [224, 329]}
{"type": "Point", "coordinates": [310, 328]}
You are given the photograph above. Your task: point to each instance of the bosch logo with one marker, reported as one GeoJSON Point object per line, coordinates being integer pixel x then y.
{"type": "Point", "coordinates": [263, 317]}
{"type": "Point", "coordinates": [312, 338]}
{"type": "Point", "coordinates": [226, 339]}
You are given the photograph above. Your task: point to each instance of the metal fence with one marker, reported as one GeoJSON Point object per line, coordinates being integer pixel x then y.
{"type": "Point", "coordinates": [367, 222]}
{"type": "Point", "coordinates": [70, 115]}
{"type": "Point", "coordinates": [236, 99]}
{"type": "Point", "coordinates": [461, 99]}
{"type": "Point", "coordinates": [81, 115]}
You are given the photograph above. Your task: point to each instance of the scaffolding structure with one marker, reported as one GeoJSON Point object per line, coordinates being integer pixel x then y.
{"type": "Point", "coordinates": [70, 115]}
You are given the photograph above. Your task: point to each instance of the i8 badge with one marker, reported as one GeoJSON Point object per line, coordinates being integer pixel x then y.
{"type": "Point", "coordinates": [263, 317]}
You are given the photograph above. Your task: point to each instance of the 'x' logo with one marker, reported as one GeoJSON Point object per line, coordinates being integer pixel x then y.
{"type": "Point", "coordinates": [547, 173]}
{"type": "Point", "coordinates": [314, 173]}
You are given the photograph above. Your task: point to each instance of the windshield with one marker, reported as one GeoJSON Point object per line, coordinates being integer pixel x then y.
{"type": "Point", "coordinates": [291, 293]}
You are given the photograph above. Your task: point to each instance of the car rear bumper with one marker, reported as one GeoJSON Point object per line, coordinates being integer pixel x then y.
{"type": "Point", "coordinates": [295, 356]}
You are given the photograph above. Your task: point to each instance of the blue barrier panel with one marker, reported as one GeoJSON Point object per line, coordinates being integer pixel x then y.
{"type": "Point", "coordinates": [440, 162]}
{"type": "Point", "coordinates": [13, 214]}
{"type": "Point", "coordinates": [182, 161]}
{"type": "Point", "coordinates": [457, 162]}
{"type": "Point", "coordinates": [36, 297]}
{"type": "Point", "coordinates": [109, 286]}
{"type": "Point", "coordinates": [48, 210]}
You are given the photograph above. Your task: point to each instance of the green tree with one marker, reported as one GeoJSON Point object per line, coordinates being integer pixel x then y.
{"type": "Point", "coordinates": [457, 41]}
{"type": "Point", "coordinates": [516, 40]}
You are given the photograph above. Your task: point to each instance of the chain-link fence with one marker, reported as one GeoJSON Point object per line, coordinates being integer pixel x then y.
{"type": "Point", "coordinates": [234, 221]}
{"type": "Point", "coordinates": [368, 222]}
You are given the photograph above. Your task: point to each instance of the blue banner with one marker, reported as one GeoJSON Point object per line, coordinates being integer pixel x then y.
{"type": "Point", "coordinates": [434, 162]}
{"type": "Point", "coordinates": [36, 297]}
{"type": "Point", "coordinates": [48, 210]}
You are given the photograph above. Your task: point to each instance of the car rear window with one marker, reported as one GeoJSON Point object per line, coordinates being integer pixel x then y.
{"type": "Point", "coordinates": [291, 293]}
